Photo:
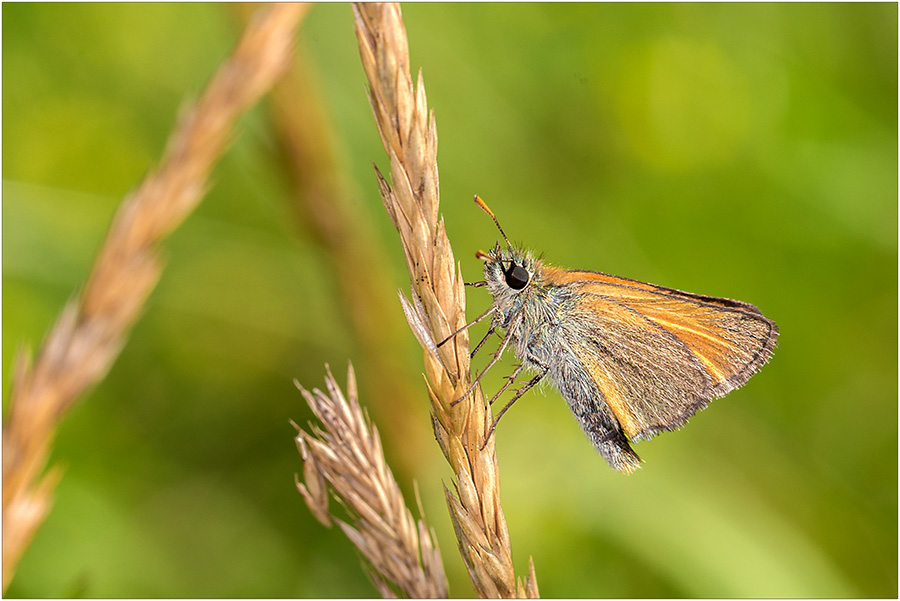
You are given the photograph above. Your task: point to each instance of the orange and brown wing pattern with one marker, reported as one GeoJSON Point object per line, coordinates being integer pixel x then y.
{"type": "Point", "coordinates": [658, 355]}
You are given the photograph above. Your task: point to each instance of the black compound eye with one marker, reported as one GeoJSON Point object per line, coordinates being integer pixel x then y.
{"type": "Point", "coordinates": [516, 277]}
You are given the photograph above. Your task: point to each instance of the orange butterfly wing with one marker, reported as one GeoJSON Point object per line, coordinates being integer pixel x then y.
{"type": "Point", "coordinates": [658, 355]}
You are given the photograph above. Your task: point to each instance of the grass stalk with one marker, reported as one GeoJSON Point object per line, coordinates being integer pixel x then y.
{"type": "Point", "coordinates": [437, 304]}
{"type": "Point", "coordinates": [327, 208]}
{"type": "Point", "coordinates": [93, 327]}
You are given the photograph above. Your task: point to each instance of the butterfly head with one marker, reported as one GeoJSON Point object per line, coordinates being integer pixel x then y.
{"type": "Point", "coordinates": [509, 269]}
{"type": "Point", "coordinates": [509, 275]}
{"type": "Point", "coordinates": [507, 272]}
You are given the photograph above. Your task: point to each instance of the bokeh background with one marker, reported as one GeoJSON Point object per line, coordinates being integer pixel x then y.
{"type": "Point", "coordinates": [747, 151]}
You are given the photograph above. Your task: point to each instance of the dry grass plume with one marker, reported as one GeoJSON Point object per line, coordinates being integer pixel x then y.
{"type": "Point", "coordinates": [346, 454]}
{"type": "Point", "coordinates": [93, 327]}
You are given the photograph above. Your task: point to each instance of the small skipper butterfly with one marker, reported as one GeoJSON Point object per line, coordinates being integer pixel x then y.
{"type": "Point", "coordinates": [631, 359]}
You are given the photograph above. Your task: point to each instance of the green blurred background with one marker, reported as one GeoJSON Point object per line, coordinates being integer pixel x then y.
{"type": "Point", "coordinates": [747, 151]}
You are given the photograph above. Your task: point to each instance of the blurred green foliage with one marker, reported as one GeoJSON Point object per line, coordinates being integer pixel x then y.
{"type": "Point", "coordinates": [740, 150]}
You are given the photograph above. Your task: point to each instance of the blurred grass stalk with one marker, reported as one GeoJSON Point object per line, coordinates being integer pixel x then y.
{"type": "Point", "coordinates": [92, 328]}
{"type": "Point", "coordinates": [437, 307]}
{"type": "Point", "coordinates": [326, 207]}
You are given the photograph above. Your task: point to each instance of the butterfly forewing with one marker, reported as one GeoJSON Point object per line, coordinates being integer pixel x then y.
{"type": "Point", "coordinates": [657, 355]}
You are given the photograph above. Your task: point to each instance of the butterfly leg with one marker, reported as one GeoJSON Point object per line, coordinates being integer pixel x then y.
{"type": "Point", "coordinates": [492, 329]}
{"type": "Point", "coordinates": [493, 361]}
{"type": "Point", "coordinates": [528, 386]}
{"type": "Point", "coordinates": [509, 382]}
{"type": "Point", "coordinates": [469, 325]}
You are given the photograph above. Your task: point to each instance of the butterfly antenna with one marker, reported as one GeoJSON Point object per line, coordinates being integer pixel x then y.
{"type": "Point", "coordinates": [487, 210]}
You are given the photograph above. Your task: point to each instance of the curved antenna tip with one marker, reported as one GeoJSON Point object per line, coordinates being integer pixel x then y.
{"type": "Point", "coordinates": [487, 210]}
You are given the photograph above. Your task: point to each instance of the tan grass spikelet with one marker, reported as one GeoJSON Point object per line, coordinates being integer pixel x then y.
{"type": "Point", "coordinates": [92, 328]}
{"type": "Point", "coordinates": [437, 308]}
{"type": "Point", "coordinates": [345, 454]}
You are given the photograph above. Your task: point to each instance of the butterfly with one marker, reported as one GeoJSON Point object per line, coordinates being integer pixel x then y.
{"type": "Point", "coordinates": [631, 359]}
